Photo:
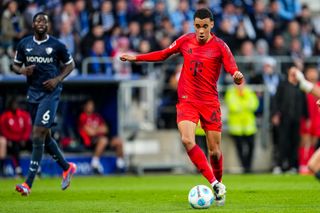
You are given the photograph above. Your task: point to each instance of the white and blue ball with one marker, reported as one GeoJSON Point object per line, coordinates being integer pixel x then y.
{"type": "Point", "coordinates": [200, 197]}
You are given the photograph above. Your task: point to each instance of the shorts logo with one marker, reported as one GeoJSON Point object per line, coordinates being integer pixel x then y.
{"type": "Point", "coordinates": [49, 50]}
{"type": "Point", "coordinates": [215, 116]}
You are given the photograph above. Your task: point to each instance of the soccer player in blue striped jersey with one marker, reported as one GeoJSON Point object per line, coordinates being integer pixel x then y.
{"type": "Point", "coordinates": [45, 62]}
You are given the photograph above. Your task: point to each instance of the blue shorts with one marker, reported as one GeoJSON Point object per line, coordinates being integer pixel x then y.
{"type": "Point", "coordinates": [44, 112]}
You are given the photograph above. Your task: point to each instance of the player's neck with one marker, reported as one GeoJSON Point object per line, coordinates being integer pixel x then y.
{"type": "Point", "coordinates": [41, 37]}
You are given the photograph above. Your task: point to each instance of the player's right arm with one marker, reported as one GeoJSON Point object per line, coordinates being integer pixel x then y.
{"type": "Point", "coordinates": [19, 60]}
{"type": "Point", "coordinates": [156, 55]}
{"type": "Point", "coordinates": [27, 71]}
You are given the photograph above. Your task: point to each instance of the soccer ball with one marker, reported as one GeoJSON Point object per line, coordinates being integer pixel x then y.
{"type": "Point", "coordinates": [200, 197]}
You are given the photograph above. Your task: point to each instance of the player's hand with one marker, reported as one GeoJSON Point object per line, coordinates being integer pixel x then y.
{"type": "Point", "coordinates": [28, 70]}
{"type": "Point", "coordinates": [128, 58]}
{"type": "Point", "coordinates": [237, 77]}
{"type": "Point", "coordinates": [50, 84]}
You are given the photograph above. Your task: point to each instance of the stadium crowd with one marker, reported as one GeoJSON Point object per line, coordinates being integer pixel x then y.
{"type": "Point", "coordinates": [258, 32]}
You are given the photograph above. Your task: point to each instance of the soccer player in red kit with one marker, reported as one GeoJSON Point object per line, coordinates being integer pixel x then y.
{"type": "Point", "coordinates": [203, 54]}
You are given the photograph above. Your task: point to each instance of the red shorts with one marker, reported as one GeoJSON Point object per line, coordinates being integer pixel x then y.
{"type": "Point", "coordinates": [209, 114]}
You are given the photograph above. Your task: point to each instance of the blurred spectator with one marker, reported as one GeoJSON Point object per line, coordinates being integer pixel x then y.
{"type": "Point", "coordinates": [4, 63]}
{"type": "Point", "coordinates": [122, 14]}
{"type": "Point", "coordinates": [262, 52]}
{"type": "Point", "coordinates": [146, 14]}
{"type": "Point", "coordinates": [279, 23]}
{"type": "Point", "coordinates": [258, 17]}
{"type": "Point", "coordinates": [96, 33]}
{"type": "Point", "coordinates": [104, 16]}
{"type": "Point", "coordinates": [148, 34]}
{"type": "Point", "coordinates": [134, 35]}
{"type": "Point", "coordinates": [246, 64]}
{"type": "Point", "coordinates": [270, 78]}
{"type": "Point", "coordinates": [68, 38]}
{"type": "Point", "coordinates": [167, 28]}
{"type": "Point", "coordinates": [278, 46]}
{"type": "Point", "coordinates": [31, 9]}
{"type": "Point", "coordinates": [310, 128]}
{"type": "Point", "coordinates": [98, 65]}
{"type": "Point", "coordinates": [289, 9]}
{"type": "Point", "coordinates": [94, 133]}
{"type": "Point", "coordinates": [307, 40]}
{"type": "Point", "coordinates": [287, 118]}
{"type": "Point", "coordinates": [225, 32]}
{"type": "Point", "coordinates": [242, 102]}
{"type": "Point", "coordinates": [160, 12]}
{"type": "Point", "coordinates": [12, 25]}
{"type": "Point", "coordinates": [82, 25]}
{"type": "Point", "coordinates": [123, 70]}
{"type": "Point", "coordinates": [16, 127]}
{"type": "Point", "coordinates": [182, 13]}
{"type": "Point", "coordinates": [292, 32]}
{"type": "Point", "coordinates": [229, 13]}
{"type": "Point", "coordinates": [268, 31]}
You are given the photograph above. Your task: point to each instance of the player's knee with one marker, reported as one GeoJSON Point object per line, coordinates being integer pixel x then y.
{"type": "Point", "coordinates": [39, 132]}
{"type": "Point", "coordinates": [187, 142]}
{"type": "Point", "coordinates": [214, 153]}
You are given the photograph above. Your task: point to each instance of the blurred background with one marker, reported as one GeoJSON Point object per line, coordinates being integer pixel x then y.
{"type": "Point", "coordinates": [137, 100]}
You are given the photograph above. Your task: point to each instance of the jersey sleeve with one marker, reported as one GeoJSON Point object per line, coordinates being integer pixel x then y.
{"type": "Point", "coordinates": [228, 60]}
{"type": "Point", "coordinates": [64, 54]}
{"type": "Point", "coordinates": [20, 56]}
{"type": "Point", "coordinates": [162, 54]}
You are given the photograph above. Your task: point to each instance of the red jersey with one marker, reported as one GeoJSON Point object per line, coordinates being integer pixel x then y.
{"type": "Point", "coordinates": [201, 66]}
{"type": "Point", "coordinates": [93, 120]}
{"type": "Point", "coordinates": [16, 126]}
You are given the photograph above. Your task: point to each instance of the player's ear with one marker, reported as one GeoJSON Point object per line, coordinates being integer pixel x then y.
{"type": "Point", "coordinates": [212, 24]}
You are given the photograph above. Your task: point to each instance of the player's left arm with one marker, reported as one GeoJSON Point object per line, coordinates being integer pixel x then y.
{"type": "Point", "coordinates": [68, 65]}
{"type": "Point", "coordinates": [229, 64]}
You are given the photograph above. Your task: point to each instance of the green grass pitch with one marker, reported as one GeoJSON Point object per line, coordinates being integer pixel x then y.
{"type": "Point", "coordinates": [162, 193]}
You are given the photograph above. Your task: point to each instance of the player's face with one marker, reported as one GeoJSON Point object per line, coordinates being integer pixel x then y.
{"type": "Point", "coordinates": [41, 24]}
{"type": "Point", "coordinates": [203, 28]}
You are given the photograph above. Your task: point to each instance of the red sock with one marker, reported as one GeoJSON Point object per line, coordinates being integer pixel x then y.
{"type": "Point", "coordinates": [302, 158]}
{"type": "Point", "coordinates": [217, 167]}
{"type": "Point", "coordinates": [199, 159]}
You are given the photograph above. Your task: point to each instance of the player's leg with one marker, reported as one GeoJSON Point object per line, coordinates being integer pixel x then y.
{"type": "Point", "coordinates": [195, 153]}
{"type": "Point", "coordinates": [3, 153]}
{"type": "Point", "coordinates": [68, 168]}
{"type": "Point", "coordinates": [117, 145]}
{"type": "Point", "coordinates": [187, 119]}
{"type": "Point", "coordinates": [216, 160]}
{"type": "Point", "coordinates": [211, 123]}
{"type": "Point", "coordinates": [38, 136]}
{"type": "Point", "coordinates": [55, 152]}
{"type": "Point", "coordinates": [100, 146]}
{"type": "Point", "coordinates": [314, 163]}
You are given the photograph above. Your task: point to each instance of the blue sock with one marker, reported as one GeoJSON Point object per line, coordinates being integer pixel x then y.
{"type": "Point", "coordinates": [37, 151]}
{"type": "Point", "coordinates": [55, 152]}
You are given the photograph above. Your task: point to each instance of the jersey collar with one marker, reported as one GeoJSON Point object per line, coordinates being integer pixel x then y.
{"type": "Point", "coordinates": [40, 42]}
